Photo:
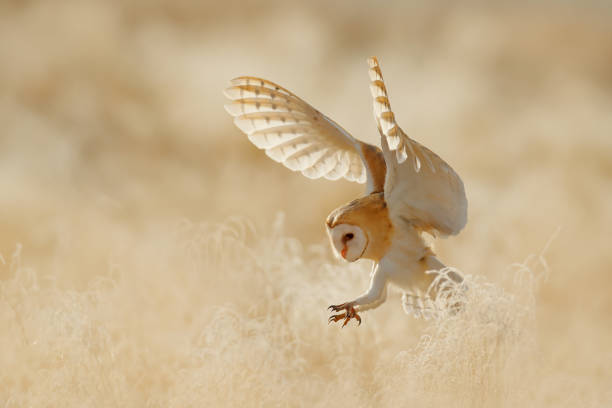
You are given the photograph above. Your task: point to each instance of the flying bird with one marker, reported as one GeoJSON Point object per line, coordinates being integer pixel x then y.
{"type": "Point", "coordinates": [410, 190]}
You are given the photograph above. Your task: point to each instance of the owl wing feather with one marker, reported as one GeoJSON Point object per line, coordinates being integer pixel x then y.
{"type": "Point", "coordinates": [300, 137]}
{"type": "Point", "coordinates": [420, 188]}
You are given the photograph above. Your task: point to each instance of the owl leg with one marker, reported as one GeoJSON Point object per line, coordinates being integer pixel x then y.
{"type": "Point", "coordinates": [372, 298]}
{"type": "Point", "coordinates": [382, 297]}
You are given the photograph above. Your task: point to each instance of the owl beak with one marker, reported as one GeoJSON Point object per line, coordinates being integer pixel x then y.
{"type": "Point", "coordinates": [343, 252]}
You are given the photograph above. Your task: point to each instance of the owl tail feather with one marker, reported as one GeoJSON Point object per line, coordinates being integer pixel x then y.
{"type": "Point", "coordinates": [445, 296]}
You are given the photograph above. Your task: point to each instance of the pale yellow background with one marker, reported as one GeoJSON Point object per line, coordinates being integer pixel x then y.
{"type": "Point", "coordinates": [118, 162]}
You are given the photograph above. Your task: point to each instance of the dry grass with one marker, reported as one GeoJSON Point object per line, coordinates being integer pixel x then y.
{"type": "Point", "coordinates": [121, 286]}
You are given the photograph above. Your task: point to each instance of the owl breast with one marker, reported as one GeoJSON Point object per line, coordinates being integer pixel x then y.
{"type": "Point", "coordinates": [370, 213]}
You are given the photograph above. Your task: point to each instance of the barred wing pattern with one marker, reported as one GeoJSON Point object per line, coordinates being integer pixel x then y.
{"type": "Point", "coordinates": [420, 188]}
{"type": "Point", "coordinates": [294, 133]}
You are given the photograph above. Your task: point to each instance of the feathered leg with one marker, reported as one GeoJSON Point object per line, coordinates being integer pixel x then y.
{"type": "Point", "coordinates": [372, 298]}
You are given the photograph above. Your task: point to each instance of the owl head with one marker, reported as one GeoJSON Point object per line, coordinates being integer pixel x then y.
{"type": "Point", "coordinates": [349, 241]}
{"type": "Point", "coordinates": [361, 228]}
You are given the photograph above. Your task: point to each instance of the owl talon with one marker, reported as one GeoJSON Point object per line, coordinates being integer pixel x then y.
{"type": "Point", "coordinates": [335, 318]}
{"type": "Point", "coordinates": [350, 313]}
{"type": "Point", "coordinates": [337, 308]}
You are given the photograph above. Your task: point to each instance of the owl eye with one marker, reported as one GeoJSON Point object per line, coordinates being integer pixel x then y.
{"type": "Point", "coordinates": [349, 236]}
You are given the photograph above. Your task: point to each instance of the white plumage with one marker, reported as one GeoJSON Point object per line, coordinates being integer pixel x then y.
{"type": "Point", "coordinates": [292, 132]}
{"type": "Point", "coordinates": [410, 190]}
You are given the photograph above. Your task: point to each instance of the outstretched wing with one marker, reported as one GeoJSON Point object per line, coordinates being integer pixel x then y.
{"type": "Point", "coordinates": [300, 137]}
{"type": "Point", "coordinates": [420, 187]}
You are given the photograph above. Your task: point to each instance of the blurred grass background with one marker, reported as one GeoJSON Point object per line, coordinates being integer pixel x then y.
{"type": "Point", "coordinates": [114, 133]}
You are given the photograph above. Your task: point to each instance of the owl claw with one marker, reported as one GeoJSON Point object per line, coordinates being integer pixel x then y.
{"type": "Point", "coordinates": [349, 313]}
{"type": "Point", "coordinates": [335, 318]}
{"type": "Point", "coordinates": [337, 308]}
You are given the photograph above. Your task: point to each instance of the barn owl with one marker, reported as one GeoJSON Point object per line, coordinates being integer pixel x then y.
{"type": "Point", "coordinates": [409, 189]}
